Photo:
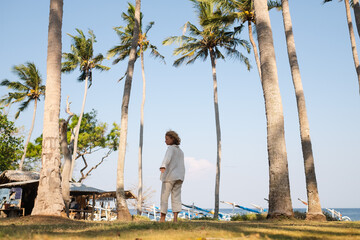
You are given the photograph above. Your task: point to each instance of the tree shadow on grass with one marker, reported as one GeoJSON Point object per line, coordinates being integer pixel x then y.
{"type": "Point", "coordinates": [60, 228]}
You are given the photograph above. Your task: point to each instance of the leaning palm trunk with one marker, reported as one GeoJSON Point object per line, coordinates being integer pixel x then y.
{"type": "Point", "coordinates": [352, 40]}
{"type": "Point", "coordinates": [356, 7]}
{"type": "Point", "coordinates": [256, 54]}
{"type": "Point", "coordinates": [28, 139]}
{"type": "Point", "coordinates": [122, 208]}
{"type": "Point", "coordinates": [141, 140]}
{"type": "Point", "coordinates": [314, 206]}
{"type": "Point", "coordinates": [49, 200]}
{"type": "Point", "coordinates": [218, 135]}
{"type": "Point", "coordinates": [279, 186]}
{"type": "Point", "coordinates": [77, 129]}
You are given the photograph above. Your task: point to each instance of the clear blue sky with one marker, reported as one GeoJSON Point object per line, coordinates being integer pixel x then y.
{"type": "Point", "coordinates": [181, 99]}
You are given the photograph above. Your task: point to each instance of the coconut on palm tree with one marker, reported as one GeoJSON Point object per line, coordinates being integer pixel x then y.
{"type": "Point", "coordinates": [206, 41]}
{"type": "Point", "coordinates": [82, 56]}
{"type": "Point", "coordinates": [122, 51]}
{"type": "Point", "coordinates": [29, 89]}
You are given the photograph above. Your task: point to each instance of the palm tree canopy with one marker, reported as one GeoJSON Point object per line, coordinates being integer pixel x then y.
{"type": "Point", "coordinates": [351, 2]}
{"type": "Point", "coordinates": [125, 35]}
{"type": "Point", "coordinates": [82, 56]}
{"type": "Point", "coordinates": [28, 89]}
{"type": "Point", "coordinates": [241, 10]}
{"type": "Point", "coordinates": [211, 37]}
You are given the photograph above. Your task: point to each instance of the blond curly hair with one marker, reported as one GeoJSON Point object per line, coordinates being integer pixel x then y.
{"type": "Point", "coordinates": [174, 136]}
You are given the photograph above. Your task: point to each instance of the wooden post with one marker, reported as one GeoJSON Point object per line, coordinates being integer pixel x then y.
{"type": "Point", "coordinates": [93, 207]}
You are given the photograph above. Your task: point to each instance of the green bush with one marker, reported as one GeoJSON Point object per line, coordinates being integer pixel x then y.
{"type": "Point", "coordinates": [329, 216]}
{"type": "Point", "coordinates": [300, 215]}
{"type": "Point", "coordinates": [140, 218]}
{"type": "Point", "coordinates": [205, 218]}
{"type": "Point", "coordinates": [248, 217]}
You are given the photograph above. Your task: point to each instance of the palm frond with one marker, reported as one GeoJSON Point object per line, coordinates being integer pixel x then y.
{"type": "Point", "coordinates": [123, 77]}
{"type": "Point", "coordinates": [154, 52]}
{"type": "Point", "coordinates": [274, 4]}
{"type": "Point", "coordinates": [179, 61]}
{"type": "Point", "coordinates": [176, 39]}
{"type": "Point", "coordinates": [148, 27]}
{"type": "Point", "coordinates": [101, 67]}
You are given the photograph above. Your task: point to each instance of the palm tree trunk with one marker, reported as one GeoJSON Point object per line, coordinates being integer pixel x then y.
{"type": "Point", "coordinates": [123, 213]}
{"type": "Point", "coordinates": [279, 186]}
{"type": "Point", "coordinates": [218, 135]}
{"type": "Point", "coordinates": [77, 129]}
{"type": "Point", "coordinates": [314, 207]}
{"type": "Point", "coordinates": [352, 40]}
{"type": "Point", "coordinates": [65, 181]}
{"type": "Point", "coordinates": [49, 200]}
{"type": "Point", "coordinates": [28, 139]}
{"type": "Point", "coordinates": [140, 186]}
{"type": "Point", "coordinates": [356, 7]}
{"type": "Point", "coordinates": [256, 54]}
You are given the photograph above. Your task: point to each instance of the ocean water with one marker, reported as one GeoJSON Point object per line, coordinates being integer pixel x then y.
{"type": "Point", "coordinates": [352, 213]}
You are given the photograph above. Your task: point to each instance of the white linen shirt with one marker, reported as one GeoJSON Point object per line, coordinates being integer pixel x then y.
{"type": "Point", "coordinates": [174, 164]}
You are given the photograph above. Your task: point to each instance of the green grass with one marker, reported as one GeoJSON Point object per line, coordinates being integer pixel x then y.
{"type": "Point", "coordinates": [61, 228]}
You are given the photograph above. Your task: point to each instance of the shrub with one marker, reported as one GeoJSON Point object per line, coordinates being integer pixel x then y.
{"type": "Point", "coordinates": [248, 217]}
{"type": "Point", "coordinates": [205, 218]}
{"type": "Point", "coordinates": [140, 218]}
{"type": "Point", "coordinates": [329, 216]}
{"type": "Point", "coordinates": [300, 215]}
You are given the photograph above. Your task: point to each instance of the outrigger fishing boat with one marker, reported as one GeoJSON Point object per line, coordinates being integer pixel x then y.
{"type": "Point", "coordinates": [259, 211]}
{"type": "Point", "coordinates": [191, 212]}
{"type": "Point", "coordinates": [201, 212]}
{"type": "Point", "coordinates": [335, 214]}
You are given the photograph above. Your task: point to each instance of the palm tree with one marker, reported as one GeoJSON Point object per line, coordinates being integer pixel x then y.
{"type": "Point", "coordinates": [242, 10]}
{"type": "Point", "coordinates": [49, 200]}
{"type": "Point", "coordinates": [123, 50]}
{"type": "Point", "coordinates": [121, 205]}
{"type": "Point", "coordinates": [200, 44]}
{"type": "Point", "coordinates": [82, 56]}
{"type": "Point", "coordinates": [279, 186]}
{"type": "Point", "coordinates": [30, 89]}
{"type": "Point", "coordinates": [314, 207]}
{"type": "Point", "coordinates": [352, 38]}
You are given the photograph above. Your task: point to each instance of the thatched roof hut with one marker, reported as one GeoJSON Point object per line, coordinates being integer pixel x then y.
{"type": "Point", "coordinates": [29, 182]}
{"type": "Point", "coordinates": [9, 176]}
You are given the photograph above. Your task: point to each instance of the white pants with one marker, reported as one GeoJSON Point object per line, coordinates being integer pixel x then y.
{"type": "Point", "coordinates": [173, 187]}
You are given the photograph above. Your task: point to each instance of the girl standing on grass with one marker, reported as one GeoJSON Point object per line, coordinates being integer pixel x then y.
{"type": "Point", "coordinates": [172, 175]}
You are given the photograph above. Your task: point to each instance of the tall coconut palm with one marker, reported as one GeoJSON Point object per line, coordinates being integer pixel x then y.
{"type": "Point", "coordinates": [352, 38]}
{"type": "Point", "coordinates": [82, 56]}
{"type": "Point", "coordinates": [121, 205]}
{"type": "Point", "coordinates": [314, 206]}
{"type": "Point", "coordinates": [49, 200]}
{"type": "Point", "coordinates": [208, 40]}
{"type": "Point", "coordinates": [122, 51]}
{"type": "Point", "coordinates": [279, 186]}
{"type": "Point", "coordinates": [27, 91]}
